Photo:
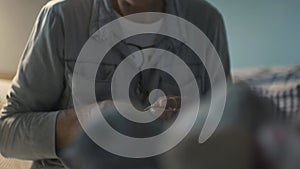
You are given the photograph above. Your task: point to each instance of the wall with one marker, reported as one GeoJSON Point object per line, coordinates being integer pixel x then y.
{"type": "Point", "coordinates": [17, 18]}
{"type": "Point", "coordinates": [262, 32]}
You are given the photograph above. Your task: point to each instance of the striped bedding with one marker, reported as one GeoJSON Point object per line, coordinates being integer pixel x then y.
{"type": "Point", "coordinates": [280, 84]}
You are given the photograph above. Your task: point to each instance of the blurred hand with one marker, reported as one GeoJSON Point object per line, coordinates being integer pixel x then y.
{"type": "Point", "coordinates": [68, 125]}
{"type": "Point", "coordinates": [170, 105]}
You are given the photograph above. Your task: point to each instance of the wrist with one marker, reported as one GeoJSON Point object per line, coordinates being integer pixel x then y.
{"type": "Point", "coordinates": [67, 126]}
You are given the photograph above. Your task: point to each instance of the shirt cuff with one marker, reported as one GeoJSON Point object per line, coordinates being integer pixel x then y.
{"type": "Point", "coordinates": [44, 145]}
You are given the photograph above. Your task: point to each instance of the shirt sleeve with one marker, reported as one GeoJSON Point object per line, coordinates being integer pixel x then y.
{"type": "Point", "coordinates": [27, 122]}
{"type": "Point", "coordinates": [218, 38]}
{"type": "Point", "coordinates": [216, 32]}
{"type": "Point", "coordinates": [221, 44]}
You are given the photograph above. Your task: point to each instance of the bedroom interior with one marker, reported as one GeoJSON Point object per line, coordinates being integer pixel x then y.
{"type": "Point", "coordinates": [263, 40]}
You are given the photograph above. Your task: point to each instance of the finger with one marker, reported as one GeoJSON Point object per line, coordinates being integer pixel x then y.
{"type": "Point", "coordinates": [167, 115]}
{"type": "Point", "coordinates": [165, 111]}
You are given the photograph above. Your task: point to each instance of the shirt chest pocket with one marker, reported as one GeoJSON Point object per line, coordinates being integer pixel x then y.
{"type": "Point", "coordinates": [102, 79]}
{"type": "Point", "coordinates": [104, 71]}
{"type": "Point", "coordinates": [169, 84]}
{"type": "Point", "coordinates": [195, 68]}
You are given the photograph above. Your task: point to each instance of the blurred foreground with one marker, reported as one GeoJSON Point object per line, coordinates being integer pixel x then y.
{"type": "Point", "coordinates": [250, 136]}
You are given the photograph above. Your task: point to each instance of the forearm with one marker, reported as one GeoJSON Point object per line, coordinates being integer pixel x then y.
{"type": "Point", "coordinates": [28, 136]}
{"type": "Point", "coordinates": [37, 135]}
{"type": "Point", "coordinates": [67, 126]}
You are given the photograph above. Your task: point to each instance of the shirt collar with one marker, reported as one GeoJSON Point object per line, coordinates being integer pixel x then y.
{"type": "Point", "coordinates": [103, 13]}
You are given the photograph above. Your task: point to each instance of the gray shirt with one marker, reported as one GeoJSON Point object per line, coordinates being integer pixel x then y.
{"type": "Point", "coordinates": [42, 86]}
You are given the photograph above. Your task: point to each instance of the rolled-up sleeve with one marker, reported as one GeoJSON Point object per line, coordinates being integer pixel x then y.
{"type": "Point", "coordinates": [27, 122]}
